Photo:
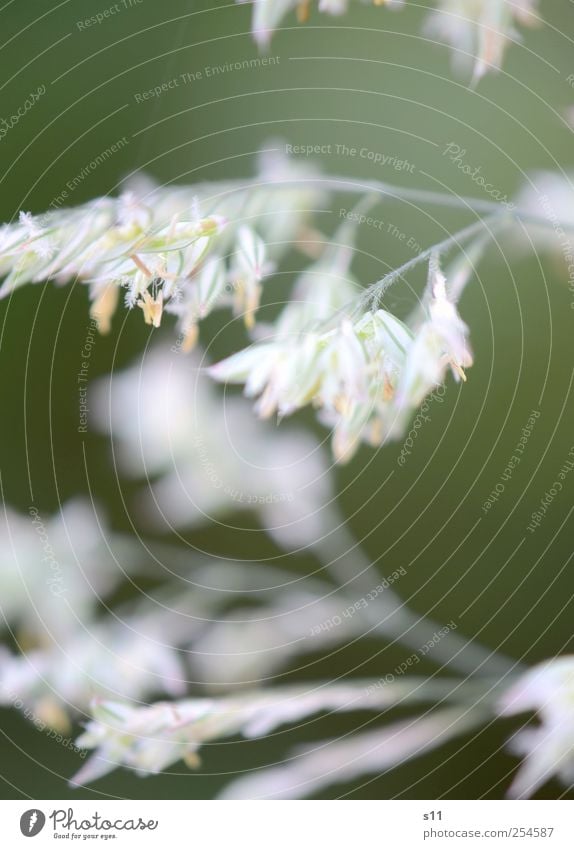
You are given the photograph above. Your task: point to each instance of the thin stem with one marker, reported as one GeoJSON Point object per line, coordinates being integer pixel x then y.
{"type": "Point", "coordinates": [424, 196]}
{"type": "Point", "coordinates": [373, 294]}
{"type": "Point", "coordinates": [347, 185]}
{"type": "Point", "coordinates": [390, 616]}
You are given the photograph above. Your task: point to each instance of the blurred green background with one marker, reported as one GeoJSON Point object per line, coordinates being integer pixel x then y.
{"type": "Point", "coordinates": [368, 79]}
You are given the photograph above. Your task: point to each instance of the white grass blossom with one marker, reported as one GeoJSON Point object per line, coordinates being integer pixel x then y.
{"type": "Point", "coordinates": [365, 375]}
{"type": "Point", "coordinates": [310, 769]}
{"type": "Point", "coordinates": [110, 244]}
{"type": "Point", "coordinates": [177, 250]}
{"type": "Point", "coordinates": [104, 659]}
{"type": "Point", "coordinates": [205, 634]}
{"type": "Point", "coordinates": [213, 634]}
{"type": "Point", "coordinates": [479, 32]}
{"type": "Point", "coordinates": [205, 456]}
{"type": "Point", "coordinates": [155, 646]}
{"type": "Point", "coordinates": [268, 14]}
{"type": "Point", "coordinates": [333, 347]}
{"type": "Point", "coordinates": [549, 196]}
{"type": "Point", "coordinates": [68, 651]}
{"type": "Point", "coordinates": [547, 748]}
{"type": "Point", "coordinates": [250, 644]}
{"type": "Point", "coordinates": [56, 569]}
{"type": "Point", "coordinates": [230, 625]}
{"type": "Point", "coordinates": [150, 739]}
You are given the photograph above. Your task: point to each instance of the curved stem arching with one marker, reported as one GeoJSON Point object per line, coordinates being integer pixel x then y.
{"type": "Point", "coordinates": [389, 616]}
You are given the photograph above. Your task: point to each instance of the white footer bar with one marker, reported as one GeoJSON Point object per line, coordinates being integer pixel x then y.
{"type": "Point", "coordinates": [287, 825]}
